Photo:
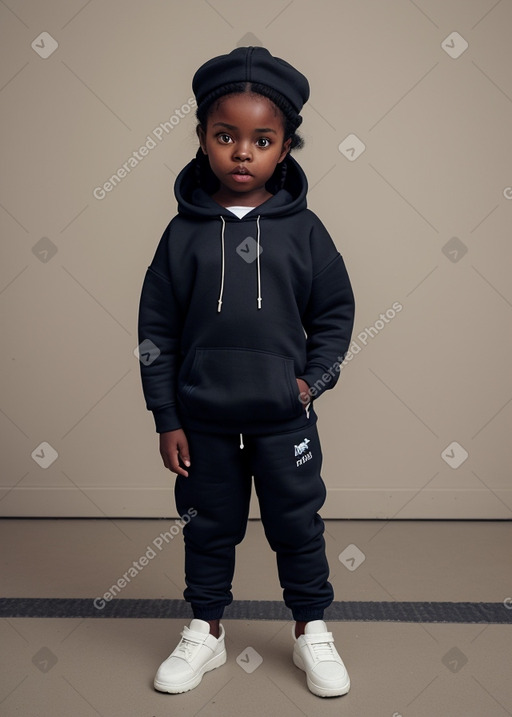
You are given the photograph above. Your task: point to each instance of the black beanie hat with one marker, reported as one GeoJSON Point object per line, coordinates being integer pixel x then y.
{"type": "Point", "coordinates": [251, 64]}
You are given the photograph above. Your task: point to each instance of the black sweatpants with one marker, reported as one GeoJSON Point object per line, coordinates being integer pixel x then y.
{"type": "Point", "coordinates": [286, 470]}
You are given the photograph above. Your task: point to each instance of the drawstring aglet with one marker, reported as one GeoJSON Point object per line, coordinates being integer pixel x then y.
{"type": "Point", "coordinates": [259, 302]}
{"type": "Point", "coordinates": [219, 304]}
{"type": "Point", "coordinates": [241, 441]}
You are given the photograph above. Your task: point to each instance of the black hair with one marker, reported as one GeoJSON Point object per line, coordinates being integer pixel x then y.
{"type": "Point", "coordinates": [291, 122]}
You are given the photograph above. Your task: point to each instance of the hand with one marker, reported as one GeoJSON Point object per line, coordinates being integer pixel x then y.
{"type": "Point", "coordinates": [304, 396]}
{"type": "Point", "coordinates": [173, 447]}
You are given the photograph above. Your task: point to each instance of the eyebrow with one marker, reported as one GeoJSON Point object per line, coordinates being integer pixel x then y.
{"type": "Point", "coordinates": [232, 127]}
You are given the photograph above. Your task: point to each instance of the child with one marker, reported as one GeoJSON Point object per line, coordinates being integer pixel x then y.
{"type": "Point", "coordinates": [250, 308]}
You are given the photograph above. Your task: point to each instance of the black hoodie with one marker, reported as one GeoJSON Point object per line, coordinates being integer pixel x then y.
{"type": "Point", "coordinates": [233, 310]}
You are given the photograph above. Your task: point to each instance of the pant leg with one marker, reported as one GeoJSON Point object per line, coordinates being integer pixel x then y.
{"type": "Point", "coordinates": [218, 487]}
{"type": "Point", "coordinates": [291, 491]}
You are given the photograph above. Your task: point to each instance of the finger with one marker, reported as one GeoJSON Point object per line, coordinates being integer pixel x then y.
{"type": "Point", "coordinates": [180, 471]}
{"type": "Point", "coordinates": [171, 462]}
{"type": "Point", "coordinates": [175, 464]}
{"type": "Point", "coordinates": [184, 452]}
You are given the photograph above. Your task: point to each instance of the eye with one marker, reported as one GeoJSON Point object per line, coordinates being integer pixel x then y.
{"type": "Point", "coordinates": [224, 138]}
{"type": "Point", "coordinates": [263, 142]}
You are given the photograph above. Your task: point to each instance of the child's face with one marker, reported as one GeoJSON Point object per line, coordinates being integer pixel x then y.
{"type": "Point", "coordinates": [244, 141]}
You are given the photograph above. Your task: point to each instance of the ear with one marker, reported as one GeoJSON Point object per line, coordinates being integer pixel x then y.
{"type": "Point", "coordinates": [286, 149]}
{"type": "Point", "coordinates": [202, 138]}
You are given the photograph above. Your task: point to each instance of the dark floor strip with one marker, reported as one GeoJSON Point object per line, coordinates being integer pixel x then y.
{"type": "Point", "coordinates": [452, 612]}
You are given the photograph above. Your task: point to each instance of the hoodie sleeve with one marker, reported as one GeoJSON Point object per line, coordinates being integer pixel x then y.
{"type": "Point", "coordinates": [329, 316]}
{"type": "Point", "coordinates": [159, 329]}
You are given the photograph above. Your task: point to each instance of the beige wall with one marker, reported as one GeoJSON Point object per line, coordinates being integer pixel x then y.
{"type": "Point", "coordinates": [433, 182]}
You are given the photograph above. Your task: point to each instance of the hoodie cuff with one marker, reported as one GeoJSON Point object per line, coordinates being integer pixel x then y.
{"type": "Point", "coordinates": [166, 419]}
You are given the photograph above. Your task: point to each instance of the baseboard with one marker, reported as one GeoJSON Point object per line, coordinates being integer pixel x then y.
{"type": "Point", "coordinates": [341, 503]}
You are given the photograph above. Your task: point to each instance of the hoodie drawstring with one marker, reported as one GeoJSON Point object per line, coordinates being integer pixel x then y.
{"type": "Point", "coordinates": [259, 298]}
{"type": "Point", "coordinates": [241, 441]}
{"type": "Point", "coordinates": [219, 303]}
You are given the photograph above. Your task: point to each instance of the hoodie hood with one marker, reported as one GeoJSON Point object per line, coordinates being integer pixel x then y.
{"type": "Point", "coordinates": [195, 202]}
{"type": "Point", "coordinates": [235, 310]}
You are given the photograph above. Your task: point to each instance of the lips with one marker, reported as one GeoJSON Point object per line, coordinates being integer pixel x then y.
{"type": "Point", "coordinates": [242, 171]}
{"type": "Point", "coordinates": [241, 175]}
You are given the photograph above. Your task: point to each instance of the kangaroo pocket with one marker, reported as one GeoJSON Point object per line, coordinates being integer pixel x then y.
{"type": "Point", "coordinates": [240, 385]}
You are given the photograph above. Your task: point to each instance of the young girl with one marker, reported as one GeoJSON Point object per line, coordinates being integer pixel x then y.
{"type": "Point", "coordinates": [250, 309]}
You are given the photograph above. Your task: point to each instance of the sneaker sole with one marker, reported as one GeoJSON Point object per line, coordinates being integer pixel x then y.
{"type": "Point", "coordinates": [175, 689]}
{"type": "Point", "coordinates": [319, 690]}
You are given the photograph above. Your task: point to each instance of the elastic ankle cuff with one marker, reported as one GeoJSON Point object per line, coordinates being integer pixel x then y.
{"type": "Point", "coordinates": [308, 615]}
{"type": "Point", "coordinates": [208, 613]}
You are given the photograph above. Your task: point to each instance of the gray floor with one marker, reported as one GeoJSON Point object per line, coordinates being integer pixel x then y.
{"type": "Point", "coordinates": [85, 667]}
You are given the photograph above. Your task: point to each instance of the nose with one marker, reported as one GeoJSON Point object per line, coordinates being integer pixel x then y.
{"type": "Point", "coordinates": [242, 151]}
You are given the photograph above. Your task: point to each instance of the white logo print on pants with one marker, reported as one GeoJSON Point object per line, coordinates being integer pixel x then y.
{"type": "Point", "coordinates": [300, 450]}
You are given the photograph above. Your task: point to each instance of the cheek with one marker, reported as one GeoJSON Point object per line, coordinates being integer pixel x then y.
{"type": "Point", "coordinates": [215, 157]}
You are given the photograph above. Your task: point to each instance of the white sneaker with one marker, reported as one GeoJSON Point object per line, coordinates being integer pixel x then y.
{"type": "Point", "coordinates": [197, 653]}
{"type": "Point", "coordinates": [315, 653]}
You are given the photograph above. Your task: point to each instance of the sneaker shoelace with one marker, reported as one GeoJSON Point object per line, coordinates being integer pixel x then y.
{"type": "Point", "coordinates": [323, 648]}
{"type": "Point", "coordinates": [187, 647]}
